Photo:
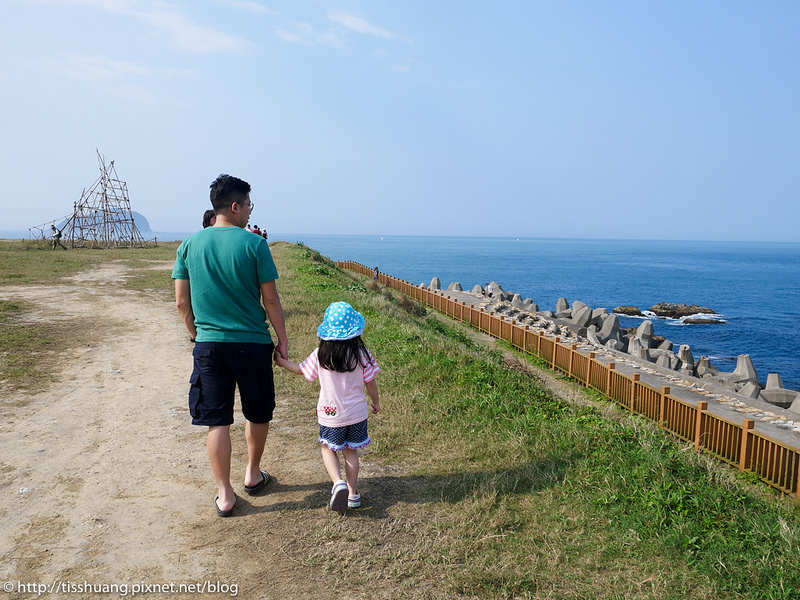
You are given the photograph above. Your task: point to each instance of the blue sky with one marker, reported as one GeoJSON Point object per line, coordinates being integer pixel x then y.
{"type": "Point", "coordinates": [676, 120]}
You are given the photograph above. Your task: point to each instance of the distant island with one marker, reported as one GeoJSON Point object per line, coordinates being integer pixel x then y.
{"type": "Point", "coordinates": [141, 222]}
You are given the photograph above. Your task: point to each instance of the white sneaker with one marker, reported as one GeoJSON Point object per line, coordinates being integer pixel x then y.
{"type": "Point", "coordinates": [354, 501]}
{"type": "Point", "coordinates": [339, 496]}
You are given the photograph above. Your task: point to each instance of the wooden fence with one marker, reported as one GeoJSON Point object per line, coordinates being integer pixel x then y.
{"type": "Point", "coordinates": [740, 445]}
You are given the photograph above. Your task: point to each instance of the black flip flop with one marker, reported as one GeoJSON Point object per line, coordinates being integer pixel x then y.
{"type": "Point", "coordinates": [220, 512]}
{"type": "Point", "coordinates": [255, 489]}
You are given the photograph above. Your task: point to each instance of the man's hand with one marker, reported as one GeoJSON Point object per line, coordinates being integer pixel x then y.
{"type": "Point", "coordinates": [183, 299]}
{"type": "Point", "coordinates": [282, 349]}
{"type": "Point", "coordinates": [289, 365]}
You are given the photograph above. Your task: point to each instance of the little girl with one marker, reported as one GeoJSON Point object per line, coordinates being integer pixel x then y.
{"type": "Point", "coordinates": [344, 367]}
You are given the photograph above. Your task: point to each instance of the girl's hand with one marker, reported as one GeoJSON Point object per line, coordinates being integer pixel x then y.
{"type": "Point", "coordinates": [289, 365]}
{"type": "Point", "coordinates": [279, 360]}
{"type": "Point", "coordinates": [376, 407]}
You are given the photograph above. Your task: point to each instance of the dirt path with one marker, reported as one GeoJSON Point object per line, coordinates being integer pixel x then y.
{"type": "Point", "coordinates": [104, 480]}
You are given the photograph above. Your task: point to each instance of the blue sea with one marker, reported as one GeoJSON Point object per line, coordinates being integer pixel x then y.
{"type": "Point", "coordinates": [755, 287]}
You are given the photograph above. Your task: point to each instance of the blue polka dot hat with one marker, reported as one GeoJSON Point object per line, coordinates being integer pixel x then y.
{"type": "Point", "coordinates": [342, 322]}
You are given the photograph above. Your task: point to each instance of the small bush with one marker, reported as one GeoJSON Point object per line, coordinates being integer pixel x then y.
{"type": "Point", "coordinates": [314, 270]}
{"type": "Point", "coordinates": [412, 306]}
{"type": "Point", "coordinates": [313, 256]}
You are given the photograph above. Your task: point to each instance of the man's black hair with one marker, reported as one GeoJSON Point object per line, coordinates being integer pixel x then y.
{"type": "Point", "coordinates": [227, 189]}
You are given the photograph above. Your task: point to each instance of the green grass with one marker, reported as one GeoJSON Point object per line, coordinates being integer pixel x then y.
{"type": "Point", "coordinates": [536, 496]}
{"type": "Point", "coordinates": [151, 268]}
{"type": "Point", "coordinates": [15, 366]}
{"type": "Point", "coordinates": [27, 348]}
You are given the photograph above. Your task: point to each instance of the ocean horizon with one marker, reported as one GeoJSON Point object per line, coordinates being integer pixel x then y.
{"type": "Point", "coordinates": [754, 287]}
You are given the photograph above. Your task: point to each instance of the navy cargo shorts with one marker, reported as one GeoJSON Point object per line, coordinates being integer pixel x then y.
{"type": "Point", "coordinates": [219, 367]}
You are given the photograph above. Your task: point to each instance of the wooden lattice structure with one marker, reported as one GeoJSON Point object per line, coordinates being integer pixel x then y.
{"type": "Point", "coordinates": [101, 218]}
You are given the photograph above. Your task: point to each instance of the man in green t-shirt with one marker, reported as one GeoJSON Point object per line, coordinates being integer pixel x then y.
{"type": "Point", "coordinates": [222, 274]}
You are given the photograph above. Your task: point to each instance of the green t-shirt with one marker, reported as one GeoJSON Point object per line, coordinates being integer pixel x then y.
{"type": "Point", "coordinates": [224, 266]}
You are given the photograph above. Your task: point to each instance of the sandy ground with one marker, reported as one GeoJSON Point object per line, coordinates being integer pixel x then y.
{"type": "Point", "coordinates": [105, 481]}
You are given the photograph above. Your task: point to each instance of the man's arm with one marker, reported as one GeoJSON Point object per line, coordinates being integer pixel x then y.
{"type": "Point", "coordinates": [275, 314]}
{"type": "Point", "coordinates": [183, 299]}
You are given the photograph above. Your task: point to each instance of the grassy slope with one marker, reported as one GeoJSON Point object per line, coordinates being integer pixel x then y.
{"type": "Point", "coordinates": [536, 496]}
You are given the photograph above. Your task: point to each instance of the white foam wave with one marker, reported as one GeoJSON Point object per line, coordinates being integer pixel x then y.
{"type": "Point", "coordinates": [651, 316]}
{"type": "Point", "coordinates": [640, 317]}
{"type": "Point", "coordinates": [722, 358]}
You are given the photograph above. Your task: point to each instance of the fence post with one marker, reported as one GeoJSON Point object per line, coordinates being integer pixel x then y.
{"type": "Point", "coordinates": [797, 484]}
{"type": "Point", "coordinates": [663, 405]}
{"type": "Point", "coordinates": [611, 366]}
{"type": "Point", "coordinates": [555, 349]}
{"type": "Point", "coordinates": [634, 383]}
{"type": "Point", "coordinates": [572, 348]}
{"type": "Point", "coordinates": [744, 455]}
{"type": "Point", "coordinates": [539, 344]}
{"type": "Point", "coordinates": [698, 426]}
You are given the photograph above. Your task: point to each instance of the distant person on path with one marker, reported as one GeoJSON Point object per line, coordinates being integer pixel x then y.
{"type": "Point", "coordinates": [209, 218]}
{"type": "Point", "coordinates": [377, 274]}
{"type": "Point", "coordinates": [222, 274]}
{"type": "Point", "coordinates": [344, 367]}
{"type": "Point", "coordinates": [56, 235]}
{"type": "Point", "coordinates": [256, 230]}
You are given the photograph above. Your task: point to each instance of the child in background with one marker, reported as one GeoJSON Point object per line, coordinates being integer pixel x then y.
{"type": "Point", "coordinates": [344, 367]}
